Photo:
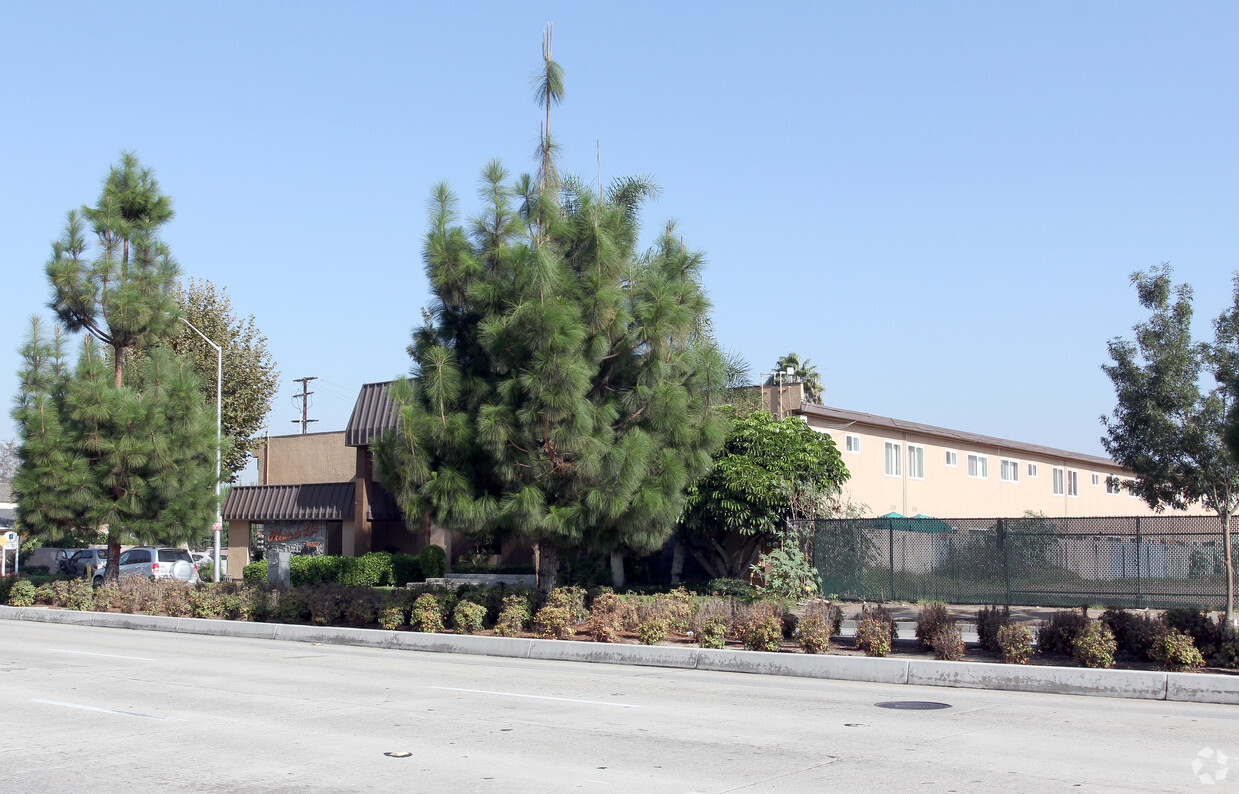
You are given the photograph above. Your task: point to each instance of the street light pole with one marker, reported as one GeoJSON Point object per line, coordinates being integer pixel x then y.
{"type": "Point", "coordinates": [219, 425]}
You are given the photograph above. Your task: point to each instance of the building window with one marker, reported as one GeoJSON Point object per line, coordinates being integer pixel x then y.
{"type": "Point", "coordinates": [951, 458]}
{"type": "Point", "coordinates": [1131, 489]}
{"type": "Point", "coordinates": [1009, 470]}
{"type": "Point", "coordinates": [1058, 481]}
{"type": "Point", "coordinates": [892, 459]}
{"type": "Point", "coordinates": [1113, 485]}
{"type": "Point", "coordinates": [852, 443]}
{"type": "Point", "coordinates": [916, 462]}
{"type": "Point", "coordinates": [978, 466]}
{"type": "Point", "coordinates": [1073, 483]}
{"type": "Point", "coordinates": [1032, 470]}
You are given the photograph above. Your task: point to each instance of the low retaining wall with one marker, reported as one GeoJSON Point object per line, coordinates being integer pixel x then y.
{"type": "Point", "coordinates": [1141, 684]}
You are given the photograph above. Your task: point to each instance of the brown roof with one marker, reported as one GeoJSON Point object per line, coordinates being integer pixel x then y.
{"type": "Point", "coordinates": [373, 413]}
{"type": "Point", "coordinates": [329, 501]}
{"type": "Point", "coordinates": [843, 415]}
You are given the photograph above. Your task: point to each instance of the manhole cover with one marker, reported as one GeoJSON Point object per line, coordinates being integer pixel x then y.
{"type": "Point", "coordinates": [912, 705]}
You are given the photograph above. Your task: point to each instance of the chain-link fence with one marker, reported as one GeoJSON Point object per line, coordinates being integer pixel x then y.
{"type": "Point", "coordinates": [1158, 561]}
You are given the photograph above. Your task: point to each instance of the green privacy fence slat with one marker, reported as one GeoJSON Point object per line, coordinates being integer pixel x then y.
{"type": "Point", "coordinates": [1149, 561]}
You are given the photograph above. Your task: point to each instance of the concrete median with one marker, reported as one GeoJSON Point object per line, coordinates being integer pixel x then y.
{"type": "Point", "coordinates": [1140, 684]}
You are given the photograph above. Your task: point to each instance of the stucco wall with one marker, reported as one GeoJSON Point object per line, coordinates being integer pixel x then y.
{"type": "Point", "coordinates": [309, 458]}
{"type": "Point", "coordinates": [951, 492]}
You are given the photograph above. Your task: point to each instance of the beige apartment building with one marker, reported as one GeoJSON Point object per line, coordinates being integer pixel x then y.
{"type": "Point", "coordinates": [916, 469]}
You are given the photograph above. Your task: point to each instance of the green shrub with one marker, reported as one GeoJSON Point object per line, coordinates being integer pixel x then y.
{"type": "Point", "coordinates": [712, 632]}
{"type": "Point", "coordinates": [362, 606]}
{"type": "Point", "coordinates": [433, 561]}
{"type": "Point", "coordinates": [80, 595]}
{"type": "Point", "coordinates": [1059, 633]}
{"type": "Point", "coordinates": [175, 598]}
{"type": "Point", "coordinates": [469, 617]}
{"type": "Point", "coordinates": [735, 588]}
{"type": "Point", "coordinates": [461, 566]}
{"type": "Point", "coordinates": [326, 603]}
{"type": "Point", "coordinates": [554, 621]}
{"type": "Point", "coordinates": [406, 568]}
{"type": "Point", "coordinates": [1015, 643]}
{"type": "Point", "coordinates": [882, 615]}
{"type": "Point", "coordinates": [763, 634]}
{"type": "Point", "coordinates": [60, 593]}
{"type": "Point", "coordinates": [107, 596]}
{"type": "Point", "coordinates": [206, 572]}
{"type": "Point", "coordinates": [873, 636]}
{"type": "Point", "coordinates": [513, 615]}
{"type": "Point", "coordinates": [21, 593]}
{"type": "Point", "coordinates": [255, 573]}
{"type": "Point", "coordinates": [1134, 632]}
{"type": "Point", "coordinates": [1095, 646]}
{"type": "Point", "coordinates": [44, 593]}
{"type": "Point", "coordinates": [947, 643]}
{"type": "Point", "coordinates": [426, 614]}
{"type": "Point", "coordinates": [652, 630]}
{"type": "Point", "coordinates": [813, 633]}
{"type": "Point", "coordinates": [989, 620]}
{"type": "Point", "coordinates": [393, 612]}
{"type": "Point", "coordinates": [932, 620]}
{"type": "Point", "coordinates": [1176, 651]}
{"type": "Point", "coordinates": [1196, 624]}
{"type": "Point", "coordinates": [606, 617]}
{"type": "Point", "coordinates": [291, 606]}
{"type": "Point", "coordinates": [1228, 653]}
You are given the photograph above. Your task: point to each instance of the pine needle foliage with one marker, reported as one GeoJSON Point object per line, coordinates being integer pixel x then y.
{"type": "Point", "coordinates": [106, 455]}
{"type": "Point", "coordinates": [563, 380]}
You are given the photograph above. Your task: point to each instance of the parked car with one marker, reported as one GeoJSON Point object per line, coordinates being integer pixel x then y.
{"type": "Point", "coordinates": [62, 558]}
{"type": "Point", "coordinates": [84, 562]}
{"type": "Point", "coordinates": [156, 562]}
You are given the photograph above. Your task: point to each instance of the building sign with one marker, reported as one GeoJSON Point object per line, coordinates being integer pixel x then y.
{"type": "Point", "coordinates": [296, 537]}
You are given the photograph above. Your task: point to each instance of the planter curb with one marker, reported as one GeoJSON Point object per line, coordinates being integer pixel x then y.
{"type": "Point", "coordinates": [1139, 684]}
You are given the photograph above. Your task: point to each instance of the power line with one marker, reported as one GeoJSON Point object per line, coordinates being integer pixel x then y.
{"type": "Point", "coordinates": [305, 401]}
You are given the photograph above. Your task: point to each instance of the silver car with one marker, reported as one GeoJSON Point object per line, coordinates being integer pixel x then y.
{"type": "Point", "coordinates": [156, 562]}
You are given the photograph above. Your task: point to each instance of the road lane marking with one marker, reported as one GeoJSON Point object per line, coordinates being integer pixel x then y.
{"type": "Point", "coordinates": [107, 711]}
{"type": "Point", "coordinates": [537, 697]}
{"type": "Point", "coordinates": [108, 655]}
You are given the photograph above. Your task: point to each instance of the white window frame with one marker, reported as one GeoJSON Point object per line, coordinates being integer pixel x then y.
{"type": "Point", "coordinates": [1006, 465]}
{"type": "Point", "coordinates": [1114, 486]}
{"type": "Point", "coordinates": [851, 443]}
{"type": "Point", "coordinates": [1032, 471]}
{"type": "Point", "coordinates": [1060, 480]}
{"type": "Point", "coordinates": [892, 453]}
{"type": "Point", "coordinates": [1073, 483]}
{"type": "Point", "coordinates": [916, 466]}
{"type": "Point", "coordinates": [981, 466]}
{"type": "Point", "coordinates": [952, 459]}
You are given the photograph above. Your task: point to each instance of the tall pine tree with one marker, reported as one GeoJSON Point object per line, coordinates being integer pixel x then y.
{"type": "Point", "coordinates": [105, 455]}
{"type": "Point", "coordinates": [562, 380]}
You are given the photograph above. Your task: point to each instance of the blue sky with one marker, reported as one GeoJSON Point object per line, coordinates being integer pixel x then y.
{"type": "Point", "coordinates": [938, 204]}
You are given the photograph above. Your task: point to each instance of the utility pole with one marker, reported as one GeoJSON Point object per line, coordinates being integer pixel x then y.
{"type": "Point", "coordinates": [305, 401]}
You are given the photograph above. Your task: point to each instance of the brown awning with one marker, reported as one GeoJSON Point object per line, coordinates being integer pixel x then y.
{"type": "Point", "coordinates": [373, 413]}
{"type": "Point", "coordinates": [329, 501]}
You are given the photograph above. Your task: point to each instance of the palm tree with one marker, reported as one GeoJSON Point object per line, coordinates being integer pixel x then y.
{"type": "Point", "coordinates": [806, 373]}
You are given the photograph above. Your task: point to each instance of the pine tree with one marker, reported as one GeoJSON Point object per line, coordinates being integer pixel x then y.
{"type": "Point", "coordinates": [563, 381]}
{"type": "Point", "coordinates": [126, 456]}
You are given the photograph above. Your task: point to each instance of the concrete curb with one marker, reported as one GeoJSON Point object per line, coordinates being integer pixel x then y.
{"type": "Point", "coordinates": [1139, 684]}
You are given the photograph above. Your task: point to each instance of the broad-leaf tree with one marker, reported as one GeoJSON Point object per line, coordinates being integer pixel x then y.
{"type": "Point", "coordinates": [1169, 423]}
{"type": "Point", "coordinates": [768, 473]}
{"type": "Point", "coordinates": [250, 375]}
{"type": "Point", "coordinates": [562, 379]}
{"type": "Point", "coordinates": [105, 455]}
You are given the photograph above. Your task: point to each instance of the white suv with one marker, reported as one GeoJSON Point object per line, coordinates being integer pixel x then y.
{"type": "Point", "coordinates": [155, 562]}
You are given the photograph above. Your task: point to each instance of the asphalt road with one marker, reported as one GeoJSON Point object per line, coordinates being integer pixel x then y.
{"type": "Point", "coordinates": [111, 710]}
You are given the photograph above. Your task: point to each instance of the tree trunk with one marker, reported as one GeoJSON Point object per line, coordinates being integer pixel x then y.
{"type": "Point", "coordinates": [1230, 565]}
{"type": "Point", "coordinates": [677, 561]}
{"type": "Point", "coordinates": [548, 570]}
{"type": "Point", "coordinates": [617, 569]}
{"type": "Point", "coordinates": [111, 572]}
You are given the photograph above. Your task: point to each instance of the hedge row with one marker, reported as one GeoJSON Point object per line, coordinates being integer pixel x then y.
{"type": "Point", "coordinates": [376, 569]}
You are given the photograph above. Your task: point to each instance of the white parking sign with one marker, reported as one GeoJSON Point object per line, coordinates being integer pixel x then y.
{"type": "Point", "coordinates": [10, 541]}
